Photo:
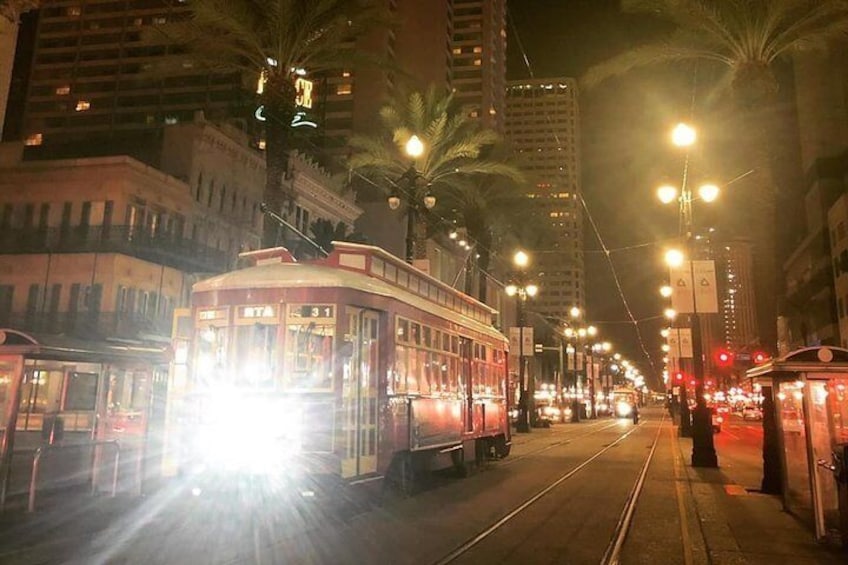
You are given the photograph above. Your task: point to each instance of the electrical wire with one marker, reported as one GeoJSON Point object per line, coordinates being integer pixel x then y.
{"type": "Point", "coordinates": [604, 249]}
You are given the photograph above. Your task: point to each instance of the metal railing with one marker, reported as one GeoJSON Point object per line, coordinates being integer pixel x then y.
{"type": "Point", "coordinates": [162, 248]}
{"type": "Point", "coordinates": [36, 466]}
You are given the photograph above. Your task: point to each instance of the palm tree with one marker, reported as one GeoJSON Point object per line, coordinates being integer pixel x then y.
{"type": "Point", "coordinates": [273, 43]}
{"type": "Point", "coordinates": [324, 233]}
{"type": "Point", "coordinates": [744, 41]}
{"type": "Point", "coordinates": [452, 154]}
{"type": "Point", "coordinates": [492, 213]}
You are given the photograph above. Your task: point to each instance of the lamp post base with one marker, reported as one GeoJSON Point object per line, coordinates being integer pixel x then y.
{"type": "Point", "coordinates": [575, 411]}
{"type": "Point", "coordinates": [703, 449]}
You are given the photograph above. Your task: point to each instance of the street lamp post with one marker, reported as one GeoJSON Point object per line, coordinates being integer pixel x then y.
{"type": "Point", "coordinates": [521, 290]}
{"type": "Point", "coordinates": [703, 448]}
{"type": "Point", "coordinates": [414, 148]}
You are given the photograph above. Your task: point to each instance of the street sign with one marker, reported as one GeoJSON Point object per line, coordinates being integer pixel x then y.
{"type": "Point", "coordinates": [538, 348]}
{"type": "Point", "coordinates": [579, 360]}
{"type": "Point", "coordinates": [514, 339]}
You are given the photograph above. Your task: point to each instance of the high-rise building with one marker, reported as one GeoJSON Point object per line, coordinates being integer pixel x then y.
{"type": "Point", "coordinates": [94, 68]}
{"type": "Point", "coordinates": [542, 125]}
{"type": "Point", "coordinates": [737, 314]}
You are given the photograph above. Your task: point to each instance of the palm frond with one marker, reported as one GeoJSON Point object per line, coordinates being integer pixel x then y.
{"type": "Point", "coordinates": [646, 56]}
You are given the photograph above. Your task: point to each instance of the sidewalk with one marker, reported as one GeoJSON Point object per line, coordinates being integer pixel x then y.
{"type": "Point", "coordinates": [695, 516]}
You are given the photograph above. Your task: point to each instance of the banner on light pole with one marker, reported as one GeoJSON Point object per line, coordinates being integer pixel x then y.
{"type": "Point", "coordinates": [693, 287]}
{"type": "Point", "coordinates": [680, 343]}
{"type": "Point", "coordinates": [706, 297]}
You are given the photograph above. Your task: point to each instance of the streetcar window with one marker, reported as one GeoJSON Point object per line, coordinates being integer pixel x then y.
{"type": "Point", "coordinates": [428, 337]}
{"type": "Point", "coordinates": [402, 330]}
{"type": "Point", "coordinates": [413, 283]}
{"type": "Point", "coordinates": [424, 288]}
{"type": "Point", "coordinates": [399, 373]}
{"type": "Point", "coordinates": [415, 333]}
{"type": "Point", "coordinates": [377, 266]}
{"type": "Point", "coordinates": [445, 342]}
{"type": "Point", "coordinates": [255, 354]}
{"type": "Point", "coordinates": [82, 391]}
{"type": "Point", "coordinates": [309, 356]}
{"type": "Point", "coordinates": [211, 354]}
{"type": "Point", "coordinates": [413, 368]}
{"type": "Point", "coordinates": [455, 345]}
{"type": "Point", "coordinates": [391, 273]}
{"type": "Point", "coordinates": [403, 278]}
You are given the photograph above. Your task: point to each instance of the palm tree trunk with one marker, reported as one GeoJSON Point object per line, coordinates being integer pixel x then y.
{"type": "Point", "coordinates": [279, 111]}
{"type": "Point", "coordinates": [757, 215]}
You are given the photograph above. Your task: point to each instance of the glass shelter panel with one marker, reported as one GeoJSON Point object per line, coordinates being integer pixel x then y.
{"type": "Point", "coordinates": [791, 414]}
{"type": "Point", "coordinates": [827, 515]}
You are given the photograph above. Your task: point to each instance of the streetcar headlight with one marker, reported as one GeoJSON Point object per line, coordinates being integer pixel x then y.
{"type": "Point", "coordinates": [239, 432]}
{"type": "Point", "coordinates": [623, 409]}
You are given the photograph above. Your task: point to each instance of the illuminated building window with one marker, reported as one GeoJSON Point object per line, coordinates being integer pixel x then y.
{"type": "Point", "coordinates": [345, 74]}
{"type": "Point", "coordinates": [74, 11]}
{"type": "Point", "coordinates": [63, 90]}
{"type": "Point", "coordinates": [34, 139]}
{"type": "Point", "coordinates": [83, 105]}
{"type": "Point", "coordinates": [261, 144]}
{"type": "Point", "coordinates": [457, 50]}
{"type": "Point", "coordinates": [473, 113]}
{"type": "Point", "coordinates": [477, 62]}
{"type": "Point", "coordinates": [478, 49]}
{"type": "Point", "coordinates": [344, 89]}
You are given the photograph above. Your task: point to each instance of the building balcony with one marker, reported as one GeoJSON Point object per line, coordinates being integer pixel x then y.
{"type": "Point", "coordinates": [162, 248]}
{"type": "Point", "coordinates": [89, 325]}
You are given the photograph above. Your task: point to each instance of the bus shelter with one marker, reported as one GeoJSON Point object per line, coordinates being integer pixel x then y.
{"type": "Point", "coordinates": [809, 389]}
{"type": "Point", "coordinates": [61, 391]}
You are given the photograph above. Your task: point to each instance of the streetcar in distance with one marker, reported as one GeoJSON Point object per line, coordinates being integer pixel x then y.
{"type": "Point", "coordinates": [344, 369]}
{"type": "Point", "coordinates": [624, 402]}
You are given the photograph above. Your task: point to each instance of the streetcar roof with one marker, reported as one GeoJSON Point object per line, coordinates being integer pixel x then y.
{"type": "Point", "coordinates": [322, 275]}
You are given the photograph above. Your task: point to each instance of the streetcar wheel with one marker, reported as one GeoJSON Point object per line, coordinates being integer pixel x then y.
{"type": "Point", "coordinates": [460, 466]}
{"type": "Point", "coordinates": [502, 448]}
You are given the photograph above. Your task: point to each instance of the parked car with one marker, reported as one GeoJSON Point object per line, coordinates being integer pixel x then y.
{"type": "Point", "coordinates": [752, 413]}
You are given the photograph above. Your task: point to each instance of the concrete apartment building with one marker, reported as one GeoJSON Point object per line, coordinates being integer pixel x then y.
{"type": "Point", "coordinates": [542, 126]}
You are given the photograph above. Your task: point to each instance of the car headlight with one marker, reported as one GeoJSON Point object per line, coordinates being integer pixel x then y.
{"type": "Point", "coordinates": [623, 409]}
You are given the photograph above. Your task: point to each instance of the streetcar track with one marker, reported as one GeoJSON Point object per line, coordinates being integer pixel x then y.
{"type": "Point", "coordinates": [559, 443]}
{"type": "Point", "coordinates": [612, 555]}
{"type": "Point", "coordinates": [464, 548]}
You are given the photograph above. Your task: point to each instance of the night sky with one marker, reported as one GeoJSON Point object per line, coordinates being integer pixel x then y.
{"type": "Point", "coordinates": [625, 156]}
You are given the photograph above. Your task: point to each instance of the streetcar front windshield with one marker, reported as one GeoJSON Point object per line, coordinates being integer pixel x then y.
{"type": "Point", "coordinates": [249, 348]}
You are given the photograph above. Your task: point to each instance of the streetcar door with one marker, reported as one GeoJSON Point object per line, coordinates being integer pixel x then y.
{"type": "Point", "coordinates": [359, 393]}
{"type": "Point", "coordinates": [465, 379]}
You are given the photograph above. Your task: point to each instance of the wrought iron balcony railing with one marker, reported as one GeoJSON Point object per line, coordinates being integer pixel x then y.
{"type": "Point", "coordinates": [162, 248]}
{"type": "Point", "coordinates": [89, 325]}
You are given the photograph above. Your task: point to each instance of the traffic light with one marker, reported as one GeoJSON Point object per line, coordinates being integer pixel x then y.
{"type": "Point", "coordinates": [724, 358]}
{"type": "Point", "coordinates": [759, 357]}
{"type": "Point", "coordinates": [678, 377]}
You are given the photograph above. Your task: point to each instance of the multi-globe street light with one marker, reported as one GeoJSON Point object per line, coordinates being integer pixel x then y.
{"type": "Point", "coordinates": [414, 148]}
{"type": "Point", "coordinates": [521, 289]}
{"type": "Point", "coordinates": [579, 345]}
{"type": "Point", "coordinates": [703, 448]}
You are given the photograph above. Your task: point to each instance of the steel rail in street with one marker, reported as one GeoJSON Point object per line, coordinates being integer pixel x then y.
{"type": "Point", "coordinates": [474, 541]}
{"type": "Point", "coordinates": [612, 556]}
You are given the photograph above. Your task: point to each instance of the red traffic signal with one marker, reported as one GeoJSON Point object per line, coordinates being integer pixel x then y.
{"type": "Point", "coordinates": [678, 376]}
{"type": "Point", "coordinates": [759, 357]}
{"type": "Point", "coordinates": [724, 358]}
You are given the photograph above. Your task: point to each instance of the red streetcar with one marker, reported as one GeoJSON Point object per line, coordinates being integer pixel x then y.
{"type": "Point", "coordinates": [353, 367]}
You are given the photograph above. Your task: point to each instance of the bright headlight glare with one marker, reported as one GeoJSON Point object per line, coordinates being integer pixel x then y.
{"type": "Point", "coordinates": [623, 409]}
{"type": "Point", "coordinates": [240, 432]}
